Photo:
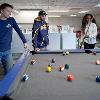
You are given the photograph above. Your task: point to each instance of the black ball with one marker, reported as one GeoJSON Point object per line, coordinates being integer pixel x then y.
{"type": "Point", "coordinates": [64, 53]}
{"type": "Point", "coordinates": [53, 60]}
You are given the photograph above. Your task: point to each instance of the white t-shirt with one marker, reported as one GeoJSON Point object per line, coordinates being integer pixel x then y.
{"type": "Point", "coordinates": [91, 30]}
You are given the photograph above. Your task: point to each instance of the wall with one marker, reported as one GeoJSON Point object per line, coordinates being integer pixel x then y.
{"type": "Point", "coordinates": [76, 22]}
{"type": "Point", "coordinates": [26, 16]}
{"type": "Point", "coordinates": [26, 23]}
{"type": "Point", "coordinates": [98, 20]}
{"type": "Point", "coordinates": [26, 20]}
{"type": "Point", "coordinates": [64, 20]}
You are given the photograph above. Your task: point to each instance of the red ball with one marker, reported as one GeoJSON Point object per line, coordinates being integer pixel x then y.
{"type": "Point", "coordinates": [33, 61]}
{"type": "Point", "coordinates": [69, 77]}
{"type": "Point", "coordinates": [94, 53]}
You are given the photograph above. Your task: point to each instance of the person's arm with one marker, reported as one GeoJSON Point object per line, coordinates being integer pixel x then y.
{"type": "Point", "coordinates": [17, 29]}
{"type": "Point", "coordinates": [94, 31]}
{"type": "Point", "coordinates": [35, 31]}
{"type": "Point", "coordinates": [47, 27]}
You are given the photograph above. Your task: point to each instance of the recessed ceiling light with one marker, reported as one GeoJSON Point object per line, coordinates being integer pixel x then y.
{"type": "Point", "coordinates": [84, 11]}
{"type": "Point", "coordinates": [98, 5]}
{"type": "Point", "coordinates": [73, 15]}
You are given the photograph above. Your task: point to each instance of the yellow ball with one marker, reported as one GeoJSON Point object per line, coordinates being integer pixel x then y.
{"type": "Point", "coordinates": [49, 69]}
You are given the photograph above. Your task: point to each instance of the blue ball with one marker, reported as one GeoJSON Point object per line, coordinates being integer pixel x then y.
{"type": "Point", "coordinates": [25, 77]}
{"type": "Point", "coordinates": [97, 78]}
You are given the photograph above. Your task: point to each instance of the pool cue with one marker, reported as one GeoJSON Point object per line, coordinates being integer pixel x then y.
{"type": "Point", "coordinates": [81, 44]}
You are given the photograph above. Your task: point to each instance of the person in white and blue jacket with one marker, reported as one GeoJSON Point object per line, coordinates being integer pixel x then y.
{"type": "Point", "coordinates": [7, 24]}
{"type": "Point", "coordinates": [40, 38]}
{"type": "Point", "coordinates": [89, 29]}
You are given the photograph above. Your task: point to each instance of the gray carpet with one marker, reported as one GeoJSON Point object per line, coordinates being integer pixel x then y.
{"type": "Point", "coordinates": [16, 56]}
{"type": "Point", "coordinates": [54, 86]}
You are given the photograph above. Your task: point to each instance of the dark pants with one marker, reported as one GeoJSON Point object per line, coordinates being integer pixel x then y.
{"type": "Point", "coordinates": [88, 46]}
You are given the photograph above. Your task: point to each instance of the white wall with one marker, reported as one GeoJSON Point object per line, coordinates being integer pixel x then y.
{"type": "Point", "coordinates": [26, 16]}
{"type": "Point", "coordinates": [98, 20]}
{"type": "Point", "coordinates": [75, 22]}
{"type": "Point", "coordinates": [26, 23]}
{"type": "Point", "coordinates": [71, 21]}
{"type": "Point", "coordinates": [26, 20]}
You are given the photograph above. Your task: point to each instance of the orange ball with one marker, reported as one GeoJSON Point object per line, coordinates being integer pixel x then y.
{"type": "Point", "coordinates": [33, 61]}
{"type": "Point", "coordinates": [61, 68]}
{"type": "Point", "coordinates": [97, 62]}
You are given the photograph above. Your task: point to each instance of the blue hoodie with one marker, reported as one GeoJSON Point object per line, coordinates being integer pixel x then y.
{"type": "Point", "coordinates": [40, 33]}
{"type": "Point", "coordinates": [6, 27]}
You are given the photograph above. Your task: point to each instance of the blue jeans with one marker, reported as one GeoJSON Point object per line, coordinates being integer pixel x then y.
{"type": "Point", "coordinates": [6, 60]}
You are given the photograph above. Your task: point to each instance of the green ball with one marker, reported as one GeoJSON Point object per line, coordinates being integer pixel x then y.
{"type": "Point", "coordinates": [66, 66]}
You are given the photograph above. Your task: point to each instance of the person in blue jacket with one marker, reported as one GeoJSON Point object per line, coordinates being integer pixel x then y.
{"type": "Point", "coordinates": [40, 38]}
{"type": "Point", "coordinates": [7, 23]}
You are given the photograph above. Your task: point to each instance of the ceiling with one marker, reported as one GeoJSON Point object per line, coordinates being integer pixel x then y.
{"type": "Point", "coordinates": [57, 7]}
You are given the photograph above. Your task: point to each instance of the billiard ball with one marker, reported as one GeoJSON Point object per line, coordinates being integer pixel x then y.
{"type": "Point", "coordinates": [53, 61]}
{"type": "Point", "coordinates": [38, 50]}
{"type": "Point", "coordinates": [64, 53]}
{"type": "Point", "coordinates": [67, 53]}
{"type": "Point", "coordinates": [69, 77]}
{"type": "Point", "coordinates": [33, 61]}
{"type": "Point", "coordinates": [97, 78]}
{"type": "Point", "coordinates": [49, 69]}
{"type": "Point", "coordinates": [97, 62]}
{"type": "Point", "coordinates": [50, 66]}
{"type": "Point", "coordinates": [94, 53]}
{"type": "Point", "coordinates": [66, 66]}
{"type": "Point", "coordinates": [25, 77]}
{"type": "Point", "coordinates": [61, 68]}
